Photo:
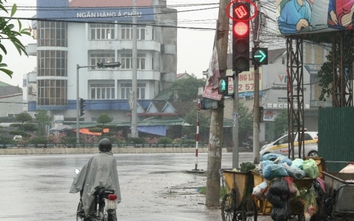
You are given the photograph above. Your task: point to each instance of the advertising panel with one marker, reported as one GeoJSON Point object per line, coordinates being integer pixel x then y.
{"type": "Point", "coordinates": [311, 16]}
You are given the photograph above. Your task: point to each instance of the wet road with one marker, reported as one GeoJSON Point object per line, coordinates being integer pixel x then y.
{"type": "Point", "coordinates": [154, 187]}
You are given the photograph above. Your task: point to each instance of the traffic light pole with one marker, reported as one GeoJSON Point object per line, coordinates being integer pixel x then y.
{"type": "Point", "coordinates": [78, 101]}
{"type": "Point", "coordinates": [256, 126]}
{"type": "Point", "coordinates": [99, 65]}
{"type": "Point", "coordinates": [235, 151]}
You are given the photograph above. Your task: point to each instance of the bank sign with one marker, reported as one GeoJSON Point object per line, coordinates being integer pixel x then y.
{"type": "Point", "coordinates": [311, 16]}
{"type": "Point", "coordinates": [100, 14]}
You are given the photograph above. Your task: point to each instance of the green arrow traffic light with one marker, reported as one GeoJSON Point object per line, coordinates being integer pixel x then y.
{"type": "Point", "coordinates": [259, 56]}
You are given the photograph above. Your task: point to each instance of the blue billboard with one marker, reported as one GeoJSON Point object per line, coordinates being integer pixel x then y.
{"type": "Point", "coordinates": [120, 14]}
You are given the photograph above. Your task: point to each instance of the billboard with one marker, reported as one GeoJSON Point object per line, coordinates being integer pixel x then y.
{"type": "Point", "coordinates": [313, 16]}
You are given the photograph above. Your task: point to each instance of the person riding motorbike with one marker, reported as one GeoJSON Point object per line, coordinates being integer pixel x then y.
{"type": "Point", "coordinates": [99, 171]}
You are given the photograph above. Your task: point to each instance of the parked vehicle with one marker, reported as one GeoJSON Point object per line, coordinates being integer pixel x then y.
{"type": "Point", "coordinates": [280, 145]}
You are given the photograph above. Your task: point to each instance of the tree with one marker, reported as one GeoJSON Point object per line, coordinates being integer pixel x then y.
{"type": "Point", "coordinates": [281, 123]}
{"type": "Point", "coordinates": [326, 71]}
{"type": "Point", "coordinates": [8, 32]}
{"type": "Point", "coordinates": [245, 122]}
{"type": "Point", "coordinates": [42, 120]}
{"type": "Point", "coordinates": [103, 119]}
{"type": "Point", "coordinates": [187, 88]}
{"type": "Point", "coordinates": [23, 117]}
{"type": "Point", "coordinates": [191, 118]}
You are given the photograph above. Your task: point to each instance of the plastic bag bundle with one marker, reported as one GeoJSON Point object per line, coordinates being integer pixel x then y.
{"type": "Point", "coordinates": [278, 196]}
{"type": "Point", "coordinates": [293, 191]}
{"type": "Point", "coordinates": [259, 189]}
{"type": "Point", "coordinates": [298, 163]}
{"type": "Point", "coordinates": [308, 199]}
{"type": "Point", "coordinates": [281, 213]}
{"type": "Point", "coordinates": [272, 171]}
{"type": "Point", "coordinates": [279, 187]}
{"type": "Point", "coordinates": [310, 168]}
{"type": "Point", "coordinates": [277, 158]}
{"type": "Point", "coordinates": [293, 171]}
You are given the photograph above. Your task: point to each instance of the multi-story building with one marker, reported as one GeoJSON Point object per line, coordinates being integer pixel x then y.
{"type": "Point", "coordinates": [73, 36]}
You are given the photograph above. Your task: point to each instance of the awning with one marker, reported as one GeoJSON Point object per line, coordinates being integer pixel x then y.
{"type": "Point", "coordinates": [156, 130]}
{"type": "Point", "coordinates": [87, 132]}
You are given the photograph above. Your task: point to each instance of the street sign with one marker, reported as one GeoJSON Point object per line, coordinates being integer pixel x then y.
{"type": "Point", "coordinates": [259, 56]}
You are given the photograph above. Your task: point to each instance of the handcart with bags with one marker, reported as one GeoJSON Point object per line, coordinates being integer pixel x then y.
{"type": "Point", "coordinates": [238, 203]}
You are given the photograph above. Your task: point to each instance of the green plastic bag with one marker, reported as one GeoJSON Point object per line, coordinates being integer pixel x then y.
{"type": "Point", "coordinates": [310, 168]}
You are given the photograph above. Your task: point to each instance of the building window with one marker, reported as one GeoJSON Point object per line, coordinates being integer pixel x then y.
{"type": "Point", "coordinates": [126, 60]}
{"type": "Point", "coordinates": [126, 87]}
{"type": "Point", "coordinates": [52, 34]}
{"type": "Point", "coordinates": [127, 32]}
{"type": "Point", "coordinates": [52, 63]}
{"type": "Point", "coordinates": [52, 92]}
{"type": "Point", "coordinates": [102, 31]}
{"type": "Point", "coordinates": [104, 56]}
{"type": "Point", "coordinates": [102, 91]}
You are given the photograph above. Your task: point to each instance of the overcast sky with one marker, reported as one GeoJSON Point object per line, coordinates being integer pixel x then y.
{"type": "Point", "coordinates": [194, 44]}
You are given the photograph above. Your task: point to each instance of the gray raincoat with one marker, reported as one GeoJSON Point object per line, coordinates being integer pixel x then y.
{"type": "Point", "coordinates": [100, 170]}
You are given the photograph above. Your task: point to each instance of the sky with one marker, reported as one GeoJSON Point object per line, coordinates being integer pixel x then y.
{"type": "Point", "coordinates": [194, 44]}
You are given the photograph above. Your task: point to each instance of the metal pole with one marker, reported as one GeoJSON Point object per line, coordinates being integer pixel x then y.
{"type": "Point", "coordinates": [235, 151]}
{"type": "Point", "coordinates": [197, 137]}
{"type": "Point", "coordinates": [256, 123]}
{"type": "Point", "coordinates": [134, 78]}
{"type": "Point", "coordinates": [77, 99]}
{"type": "Point", "coordinates": [77, 104]}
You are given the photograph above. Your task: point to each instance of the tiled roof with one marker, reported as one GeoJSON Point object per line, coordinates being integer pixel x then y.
{"type": "Point", "coordinates": [109, 3]}
{"type": "Point", "coordinates": [183, 108]}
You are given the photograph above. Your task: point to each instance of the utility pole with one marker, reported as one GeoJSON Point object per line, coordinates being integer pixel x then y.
{"type": "Point", "coordinates": [256, 114]}
{"type": "Point", "coordinates": [217, 115]}
{"type": "Point", "coordinates": [134, 132]}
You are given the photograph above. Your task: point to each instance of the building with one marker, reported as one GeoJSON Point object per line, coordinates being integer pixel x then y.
{"type": "Point", "coordinates": [11, 101]}
{"type": "Point", "coordinates": [73, 36]}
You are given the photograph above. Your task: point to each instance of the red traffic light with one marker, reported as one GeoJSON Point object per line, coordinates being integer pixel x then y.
{"type": "Point", "coordinates": [241, 28]}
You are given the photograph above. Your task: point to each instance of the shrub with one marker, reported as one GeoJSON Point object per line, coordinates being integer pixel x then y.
{"type": "Point", "coordinates": [137, 140]}
{"type": "Point", "coordinates": [164, 140]}
{"type": "Point", "coordinates": [38, 140]}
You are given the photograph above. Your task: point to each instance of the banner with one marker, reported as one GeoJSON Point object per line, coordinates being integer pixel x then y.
{"type": "Point", "coordinates": [211, 87]}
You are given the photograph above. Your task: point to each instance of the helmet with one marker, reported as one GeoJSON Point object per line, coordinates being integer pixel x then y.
{"type": "Point", "coordinates": [105, 145]}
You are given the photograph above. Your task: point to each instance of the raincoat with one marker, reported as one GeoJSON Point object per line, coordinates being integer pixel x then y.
{"type": "Point", "coordinates": [99, 171]}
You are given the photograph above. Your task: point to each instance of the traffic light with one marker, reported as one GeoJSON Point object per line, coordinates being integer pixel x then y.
{"type": "Point", "coordinates": [259, 56]}
{"type": "Point", "coordinates": [82, 107]}
{"type": "Point", "coordinates": [241, 36]}
{"type": "Point", "coordinates": [108, 64]}
{"type": "Point", "coordinates": [226, 86]}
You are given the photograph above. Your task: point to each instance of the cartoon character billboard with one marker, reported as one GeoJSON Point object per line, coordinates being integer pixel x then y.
{"type": "Point", "coordinates": [306, 16]}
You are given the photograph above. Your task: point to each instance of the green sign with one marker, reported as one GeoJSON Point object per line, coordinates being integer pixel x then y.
{"type": "Point", "coordinates": [259, 56]}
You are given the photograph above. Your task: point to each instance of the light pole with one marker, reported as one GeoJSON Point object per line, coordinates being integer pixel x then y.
{"type": "Point", "coordinates": [99, 65]}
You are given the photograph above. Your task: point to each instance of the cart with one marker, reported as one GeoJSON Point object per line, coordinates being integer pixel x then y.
{"type": "Point", "coordinates": [264, 207]}
{"type": "Point", "coordinates": [340, 192]}
{"type": "Point", "coordinates": [238, 203]}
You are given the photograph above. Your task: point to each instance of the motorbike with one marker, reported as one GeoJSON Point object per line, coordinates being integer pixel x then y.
{"type": "Point", "coordinates": [105, 206]}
